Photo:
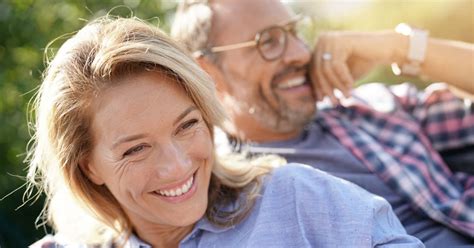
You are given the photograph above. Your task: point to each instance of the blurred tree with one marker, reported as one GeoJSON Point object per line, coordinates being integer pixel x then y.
{"type": "Point", "coordinates": [26, 27]}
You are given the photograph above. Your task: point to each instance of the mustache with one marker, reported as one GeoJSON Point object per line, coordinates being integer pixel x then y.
{"type": "Point", "coordinates": [289, 70]}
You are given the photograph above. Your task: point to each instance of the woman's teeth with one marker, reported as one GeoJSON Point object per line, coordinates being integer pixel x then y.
{"type": "Point", "coordinates": [292, 83]}
{"type": "Point", "coordinates": [179, 190]}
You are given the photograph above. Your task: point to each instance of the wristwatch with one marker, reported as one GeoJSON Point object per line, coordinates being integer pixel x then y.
{"type": "Point", "coordinates": [418, 40]}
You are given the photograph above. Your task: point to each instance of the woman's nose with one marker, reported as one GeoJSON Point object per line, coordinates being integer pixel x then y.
{"type": "Point", "coordinates": [174, 162]}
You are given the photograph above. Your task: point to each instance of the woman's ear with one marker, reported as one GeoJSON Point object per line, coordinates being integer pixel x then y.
{"type": "Point", "coordinates": [215, 72]}
{"type": "Point", "coordinates": [91, 171]}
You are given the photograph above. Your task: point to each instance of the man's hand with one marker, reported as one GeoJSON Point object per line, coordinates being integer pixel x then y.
{"type": "Point", "coordinates": [340, 58]}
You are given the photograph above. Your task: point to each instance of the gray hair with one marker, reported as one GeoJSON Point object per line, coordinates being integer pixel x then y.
{"type": "Point", "coordinates": [192, 24]}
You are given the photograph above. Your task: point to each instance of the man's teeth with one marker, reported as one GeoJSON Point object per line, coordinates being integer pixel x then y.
{"type": "Point", "coordinates": [179, 190]}
{"type": "Point", "coordinates": [292, 83]}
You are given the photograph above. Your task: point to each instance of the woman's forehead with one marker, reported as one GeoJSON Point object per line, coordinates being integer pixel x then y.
{"type": "Point", "coordinates": [139, 101]}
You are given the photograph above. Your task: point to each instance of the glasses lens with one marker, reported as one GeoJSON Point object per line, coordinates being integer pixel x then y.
{"type": "Point", "coordinates": [272, 42]}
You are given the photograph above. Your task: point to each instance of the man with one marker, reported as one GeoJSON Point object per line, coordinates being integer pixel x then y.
{"type": "Point", "coordinates": [386, 140]}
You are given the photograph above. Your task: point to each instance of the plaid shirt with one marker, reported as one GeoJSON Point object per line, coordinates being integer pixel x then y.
{"type": "Point", "coordinates": [400, 140]}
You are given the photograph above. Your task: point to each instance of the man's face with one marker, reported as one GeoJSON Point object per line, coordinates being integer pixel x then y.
{"type": "Point", "coordinates": [267, 100]}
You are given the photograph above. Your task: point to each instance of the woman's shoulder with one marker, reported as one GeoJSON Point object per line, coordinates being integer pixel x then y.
{"type": "Point", "coordinates": [309, 207]}
{"type": "Point", "coordinates": [302, 181]}
{"type": "Point", "coordinates": [291, 170]}
{"type": "Point", "coordinates": [305, 175]}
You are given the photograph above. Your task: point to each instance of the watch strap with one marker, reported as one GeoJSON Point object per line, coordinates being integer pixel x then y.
{"type": "Point", "coordinates": [418, 40]}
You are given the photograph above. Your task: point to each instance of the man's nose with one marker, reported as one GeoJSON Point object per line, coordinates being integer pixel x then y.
{"type": "Point", "coordinates": [297, 52]}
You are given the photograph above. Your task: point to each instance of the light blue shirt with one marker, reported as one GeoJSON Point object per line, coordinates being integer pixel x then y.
{"type": "Point", "coordinates": [304, 207]}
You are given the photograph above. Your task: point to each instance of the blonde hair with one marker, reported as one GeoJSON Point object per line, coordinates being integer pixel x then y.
{"type": "Point", "coordinates": [88, 62]}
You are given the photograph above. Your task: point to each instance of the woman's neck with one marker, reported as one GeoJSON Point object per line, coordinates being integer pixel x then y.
{"type": "Point", "coordinates": [158, 235]}
{"type": "Point", "coordinates": [163, 236]}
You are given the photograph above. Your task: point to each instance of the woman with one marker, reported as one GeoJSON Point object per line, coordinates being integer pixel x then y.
{"type": "Point", "coordinates": [124, 152]}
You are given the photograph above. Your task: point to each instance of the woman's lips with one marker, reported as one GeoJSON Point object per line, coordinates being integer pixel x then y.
{"type": "Point", "coordinates": [182, 189]}
{"type": "Point", "coordinates": [179, 193]}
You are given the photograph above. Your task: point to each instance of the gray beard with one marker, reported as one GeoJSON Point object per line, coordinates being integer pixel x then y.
{"type": "Point", "coordinates": [284, 119]}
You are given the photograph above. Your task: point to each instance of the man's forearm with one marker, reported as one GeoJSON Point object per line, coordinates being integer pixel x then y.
{"type": "Point", "coordinates": [451, 62]}
{"type": "Point", "coordinates": [448, 61]}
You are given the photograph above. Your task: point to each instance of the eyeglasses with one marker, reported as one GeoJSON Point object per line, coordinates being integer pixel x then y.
{"type": "Point", "coordinates": [270, 42]}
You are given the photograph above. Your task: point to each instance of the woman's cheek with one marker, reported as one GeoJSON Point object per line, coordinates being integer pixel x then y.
{"type": "Point", "coordinates": [201, 145]}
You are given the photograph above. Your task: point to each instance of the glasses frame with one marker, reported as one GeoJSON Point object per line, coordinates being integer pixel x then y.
{"type": "Point", "coordinates": [285, 27]}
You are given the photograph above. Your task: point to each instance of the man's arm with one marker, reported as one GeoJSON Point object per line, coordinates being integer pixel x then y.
{"type": "Point", "coordinates": [451, 62]}
{"type": "Point", "coordinates": [354, 54]}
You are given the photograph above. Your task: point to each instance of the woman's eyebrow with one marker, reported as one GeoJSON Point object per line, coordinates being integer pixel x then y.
{"type": "Point", "coordinates": [142, 135]}
{"type": "Point", "coordinates": [185, 112]}
{"type": "Point", "coordinates": [127, 139]}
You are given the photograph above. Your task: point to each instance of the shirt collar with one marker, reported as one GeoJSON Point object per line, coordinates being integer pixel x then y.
{"type": "Point", "coordinates": [202, 225]}
{"type": "Point", "coordinates": [205, 225]}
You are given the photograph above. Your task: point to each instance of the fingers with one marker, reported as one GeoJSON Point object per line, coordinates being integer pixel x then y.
{"type": "Point", "coordinates": [329, 69]}
{"type": "Point", "coordinates": [345, 77]}
{"type": "Point", "coordinates": [325, 87]}
{"type": "Point", "coordinates": [321, 82]}
{"type": "Point", "coordinates": [332, 77]}
{"type": "Point", "coordinates": [315, 78]}
{"type": "Point", "coordinates": [322, 86]}
{"type": "Point", "coordinates": [326, 81]}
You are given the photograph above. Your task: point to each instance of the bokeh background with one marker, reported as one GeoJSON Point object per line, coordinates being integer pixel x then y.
{"type": "Point", "coordinates": [27, 26]}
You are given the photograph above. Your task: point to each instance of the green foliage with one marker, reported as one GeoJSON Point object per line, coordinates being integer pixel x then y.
{"type": "Point", "coordinates": [26, 27]}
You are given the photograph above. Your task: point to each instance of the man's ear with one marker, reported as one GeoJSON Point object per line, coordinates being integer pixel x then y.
{"type": "Point", "coordinates": [215, 72]}
{"type": "Point", "coordinates": [90, 171]}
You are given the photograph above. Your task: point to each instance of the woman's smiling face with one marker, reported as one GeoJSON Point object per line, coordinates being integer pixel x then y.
{"type": "Point", "coordinates": [152, 149]}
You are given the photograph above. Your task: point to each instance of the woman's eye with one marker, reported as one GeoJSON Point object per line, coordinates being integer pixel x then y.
{"type": "Point", "coordinates": [134, 150]}
{"type": "Point", "coordinates": [187, 125]}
